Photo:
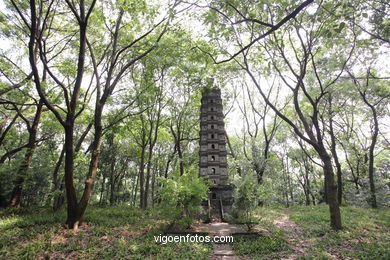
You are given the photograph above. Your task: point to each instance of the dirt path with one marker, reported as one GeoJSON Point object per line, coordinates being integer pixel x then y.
{"type": "Point", "coordinates": [221, 251]}
{"type": "Point", "coordinates": [295, 237]}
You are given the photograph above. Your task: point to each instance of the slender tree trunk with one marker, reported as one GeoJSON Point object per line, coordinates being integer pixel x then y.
{"type": "Point", "coordinates": [167, 166]}
{"type": "Point", "coordinates": [177, 138]}
{"type": "Point", "coordinates": [148, 170]}
{"type": "Point", "coordinates": [374, 136]}
{"type": "Point", "coordinates": [290, 190]}
{"type": "Point", "coordinates": [16, 194]}
{"type": "Point", "coordinates": [153, 134]}
{"type": "Point", "coordinates": [142, 179]}
{"type": "Point", "coordinates": [135, 190]}
{"type": "Point", "coordinates": [59, 200]}
{"type": "Point", "coordinates": [306, 188]}
{"type": "Point", "coordinates": [339, 181]}
{"type": "Point", "coordinates": [307, 198]}
{"type": "Point", "coordinates": [154, 181]}
{"type": "Point", "coordinates": [334, 154]}
{"type": "Point", "coordinates": [260, 172]}
{"type": "Point", "coordinates": [102, 190]}
{"type": "Point", "coordinates": [371, 159]}
{"type": "Point", "coordinates": [146, 194]}
{"type": "Point", "coordinates": [93, 165]}
{"type": "Point", "coordinates": [238, 169]}
{"type": "Point", "coordinates": [313, 199]}
{"type": "Point", "coordinates": [181, 163]}
{"type": "Point", "coordinates": [56, 181]}
{"type": "Point", "coordinates": [112, 181]}
{"type": "Point", "coordinates": [71, 198]}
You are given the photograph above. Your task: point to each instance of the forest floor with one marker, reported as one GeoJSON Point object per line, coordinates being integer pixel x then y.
{"type": "Point", "coordinates": [298, 232]}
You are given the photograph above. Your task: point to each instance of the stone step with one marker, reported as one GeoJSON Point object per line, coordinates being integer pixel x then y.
{"type": "Point", "coordinates": [224, 252]}
{"type": "Point", "coordinates": [223, 257]}
{"type": "Point", "coordinates": [222, 249]}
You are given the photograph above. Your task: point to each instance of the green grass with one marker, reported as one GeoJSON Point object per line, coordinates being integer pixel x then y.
{"type": "Point", "coordinates": [365, 233]}
{"type": "Point", "coordinates": [127, 233]}
{"type": "Point", "coordinates": [109, 233]}
{"type": "Point", "coordinates": [260, 246]}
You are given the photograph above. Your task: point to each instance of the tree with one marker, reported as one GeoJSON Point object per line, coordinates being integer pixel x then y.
{"type": "Point", "coordinates": [298, 70]}
{"type": "Point", "coordinates": [378, 96]}
{"type": "Point", "coordinates": [255, 125]}
{"type": "Point", "coordinates": [182, 196]}
{"type": "Point", "coordinates": [32, 128]}
{"type": "Point", "coordinates": [43, 41]}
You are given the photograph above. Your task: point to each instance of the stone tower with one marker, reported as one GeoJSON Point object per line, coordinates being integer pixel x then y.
{"type": "Point", "coordinates": [213, 162]}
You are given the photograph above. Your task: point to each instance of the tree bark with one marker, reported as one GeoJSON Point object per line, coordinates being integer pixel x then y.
{"type": "Point", "coordinates": [334, 154]}
{"type": "Point", "coordinates": [142, 179]}
{"type": "Point", "coordinates": [331, 191]}
{"type": "Point", "coordinates": [16, 194]}
{"type": "Point", "coordinates": [371, 156]}
{"type": "Point", "coordinates": [112, 172]}
{"type": "Point", "coordinates": [102, 190]}
{"type": "Point", "coordinates": [56, 182]}
{"type": "Point", "coordinates": [60, 199]}
{"type": "Point", "coordinates": [71, 198]}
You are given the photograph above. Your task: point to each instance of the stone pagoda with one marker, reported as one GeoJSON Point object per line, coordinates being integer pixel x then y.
{"type": "Point", "coordinates": [212, 154]}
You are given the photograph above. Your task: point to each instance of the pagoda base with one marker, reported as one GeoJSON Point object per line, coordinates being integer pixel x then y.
{"type": "Point", "coordinates": [219, 203]}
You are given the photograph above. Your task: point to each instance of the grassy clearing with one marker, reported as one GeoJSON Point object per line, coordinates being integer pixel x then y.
{"type": "Point", "coordinates": [127, 233]}
{"type": "Point", "coordinates": [261, 246]}
{"type": "Point", "coordinates": [269, 243]}
{"type": "Point", "coordinates": [365, 235]}
{"type": "Point", "coordinates": [110, 233]}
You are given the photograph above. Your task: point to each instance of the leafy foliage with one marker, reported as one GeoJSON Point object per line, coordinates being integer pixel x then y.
{"type": "Point", "coordinates": [182, 196]}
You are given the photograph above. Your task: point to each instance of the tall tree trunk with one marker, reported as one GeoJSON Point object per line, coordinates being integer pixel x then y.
{"type": "Point", "coordinates": [135, 190]}
{"type": "Point", "coordinates": [285, 181]}
{"type": "Point", "coordinates": [290, 188]}
{"type": "Point", "coordinates": [102, 190]}
{"type": "Point", "coordinates": [142, 179]}
{"type": "Point", "coordinates": [371, 171]}
{"type": "Point", "coordinates": [177, 139]}
{"type": "Point", "coordinates": [307, 183]}
{"type": "Point", "coordinates": [154, 180]}
{"type": "Point", "coordinates": [112, 180]}
{"type": "Point", "coordinates": [148, 169]}
{"type": "Point", "coordinates": [146, 194]}
{"type": "Point", "coordinates": [152, 142]}
{"type": "Point", "coordinates": [59, 200]}
{"type": "Point", "coordinates": [307, 198]}
{"type": "Point", "coordinates": [371, 155]}
{"type": "Point", "coordinates": [93, 165]}
{"type": "Point", "coordinates": [334, 154]}
{"type": "Point", "coordinates": [325, 197]}
{"type": "Point", "coordinates": [71, 196]}
{"type": "Point", "coordinates": [339, 180]}
{"type": "Point", "coordinates": [16, 194]}
{"type": "Point", "coordinates": [331, 191]}
{"type": "Point", "coordinates": [56, 181]}
{"type": "Point", "coordinates": [181, 162]}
